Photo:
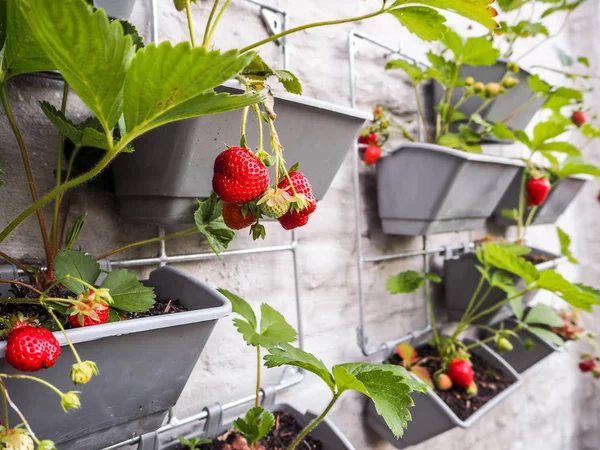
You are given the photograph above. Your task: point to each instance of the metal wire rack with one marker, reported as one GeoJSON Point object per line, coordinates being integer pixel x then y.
{"type": "Point", "coordinates": [368, 349]}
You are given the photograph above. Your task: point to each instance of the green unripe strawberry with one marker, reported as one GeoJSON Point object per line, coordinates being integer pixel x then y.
{"type": "Point", "coordinates": [469, 81]}
{"type": "Point", "coordinates": [510, 82]}
{"type": "Point", "coordinates": [512, 67]}
{"type": "Point", "coordinates": [472, 389]}
{"type": "Point", "coordinates": [274, 211]}
{"type": "Point", "coordinates": [479, 87]}
{"type": "Point", "coordinates": [504, 345]}
{"type": "Point", "coordinates": [179, 4]}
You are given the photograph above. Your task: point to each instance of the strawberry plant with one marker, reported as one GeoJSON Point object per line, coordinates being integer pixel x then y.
{"type": "Point", "coordinates": [387, 386]}
{"type": "Point", "coordinates": [137, 89]}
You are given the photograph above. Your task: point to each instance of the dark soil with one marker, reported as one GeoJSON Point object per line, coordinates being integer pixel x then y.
{"type": "Point", "coordinates": [161, 307]}
{"type": "Point", "coordinates": [279, 438]}
{"type": "Point", "coordinates": [490, 382]}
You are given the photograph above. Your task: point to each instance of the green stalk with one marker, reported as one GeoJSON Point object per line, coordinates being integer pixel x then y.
{"type": "Point", "coordinates": [4, 405]}
{"type": "Point", "coordinates": [243, 141]}
{"type": "Point", "coordinates": [260, 126]}
{"type": "Point", "coordinates": [20, 283]}
{"type": "Point", "coordinates": [478, 343]}
{"type": "Point", "coordinates": [521, 212]}
{"type": "Point", "coordinates": [23, 301]}
{"type": "Point", "coordinates": [208, 23]}
{"type": "Point", "coordinates": [31, 378]}
{"type": "Point", "coordinates": [436, 337]}
{"type": "Point", "coordinates": [13, 261]}
{"type": "Point", "coordinates": [530, 218]}
{"type": "Point", "coordinates": [421, 113]}
{"type": "Point", "coordinates": [19, 413]}
{"type": "Point", "coordinates": [465, 316]}
{"type": "Point", "coordinates": [59, 159]}
{"type": "Point", "coordinates": [258, 366]}
{"type": "Point", "coordinates": [71, 346]}
{"type": "Point", "coordinates": [479, 303]}
{"type": "Point", "coordinates": [29, 173]}
{"type": "Point", "coordinates": [312, 25]}
{"type": "Point", "coordinates": [105, 161]}
{"type": "Point", "coordinates": [148, 241]}
{"type": "Point", "coordinates": [520, 108]}
{"type": "Point", "coordinates": [188, 12]}
{"type": "Point", "coordinates": [484, 105]}
{"type": "Point", "coordinates": [216, 22]}
{"type": "Point", "coordinates": [311, 426]}
{"type": "Point", "coordinates": [500, 304]}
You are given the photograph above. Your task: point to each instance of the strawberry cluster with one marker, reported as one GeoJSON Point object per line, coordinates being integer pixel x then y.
{"type": "Point", "coordinates": [589, 363]}
{"type": "Point", "coordinates": [570, 330]}
{"type": "Point", "coordinates": [372, 137]}
{"type": "Point", "coordinates": [241, 181]}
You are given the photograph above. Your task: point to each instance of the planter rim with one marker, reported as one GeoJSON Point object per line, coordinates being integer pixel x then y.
{"type": "Point", "coordinates": [458, 154]}
{"type": "Point", "coordinates": [489, 405]}
{"type": "Point", "coordinates": [308, 101]}
{"type": "Point", "coordinates": [86, 334]}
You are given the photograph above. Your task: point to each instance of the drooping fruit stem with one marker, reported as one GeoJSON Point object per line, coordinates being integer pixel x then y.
{"type": "Point", "coordinates": [59, 324]}
{"type": "Point", "coordinates": [311, 426]}
{"type": "Point", "coordinates": [260, 127]}
{"type": "Point", "coordinates": [18, 411]}
{"type": "Point", "coordinates": [209, 23]}
{"type": "Point", "coordinates": [13, 261]}
{"type": "Point", "coordinates": [258, 367]}
{"type": "Point", "coordinates": [20, 283]}
{"type": "Point", "coordinates": [188, 12]}
{"type": "Point", "coordinates": [28, 172]}
{"type": "Point", "coordinates": [4, 405]}
{"type": "Point", "coordinates": [216, 22]}
{"type": "Point", "coordinates": [243, 140]}
{"type": "Point", "coordinates": [148, 241]}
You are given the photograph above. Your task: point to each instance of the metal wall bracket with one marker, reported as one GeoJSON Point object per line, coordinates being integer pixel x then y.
{"type": "Point", "coordinates": [273, 23]}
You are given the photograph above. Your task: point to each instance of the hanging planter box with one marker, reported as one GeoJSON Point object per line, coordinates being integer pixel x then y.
{"type": "Point", "coordinates": [520, 358]}
{"type": "Point", "coordinates": [144, 365]}
{"type": "Point", "coordinates": [431, 416]}
{"type": "Point", "coordinates": [118, 9]}
{"type": "Point", "coordinates": [428, 189]}
{"type": "Point", "coordinates": [504, 105]}
{"type": "Point", "coordinates": [461, 278]}
{"type": "Point", "coordinates": [172, 165]}
{"type": "Point", "coordinates": [559, 199]}
{"type": "Point", "coordinates": [327, 433]}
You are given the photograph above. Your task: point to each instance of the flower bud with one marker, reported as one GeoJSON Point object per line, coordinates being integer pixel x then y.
{"type": "Point", "coordinates": [510, 82]}
{"type": "Point", "coordinates": [504, 345]}
{"type": "Point", "coordinates": [103, 295]}
{"type": "Point", "coordinates": [378, 113]}
{"type": "Point", "coordinates": [512, 67]}
{"type": "Point", "coordinates": [81, 373]}
{"type": "Point", "coordinates": [479, 87]}
{"type": "Point", "coordinates": [46, 444]}
{"type": "Point", "coordinates": [493, 90]}
{"type": "Point", "coordinates": [472, 389]}
{"type": "Point", "coordinates": [70, 400]}
{"type": "Point", "coordinates": [469, 81]}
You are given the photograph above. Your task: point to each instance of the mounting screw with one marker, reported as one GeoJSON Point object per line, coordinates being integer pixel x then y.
{"type": "Point", "coordinates": [273, 22]}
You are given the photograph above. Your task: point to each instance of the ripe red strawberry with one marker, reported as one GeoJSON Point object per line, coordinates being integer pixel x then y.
{"type": "Point", "coordinates": [372, 154]}
{"type": "Point", "coordinates": [239, 176]}
{"type": "Point", "coordinates": [294, 219]}
{"type": "Point", "coordinates": [30, 349]}
{"type": "Point", "coordinates": [579, 118]}
{"type": "Point", "coordinates": [234, 219]}
{"type": "Point", "coordinates": [368, 138]}
{"type": "Point", "coordinates": [460, 372]}
{"type": "Point", "coordinates": [587, 365]}
{"type": "Point", "coordinates": [88, 312]}
{"type": "Point", "coordinates": [537, 191]}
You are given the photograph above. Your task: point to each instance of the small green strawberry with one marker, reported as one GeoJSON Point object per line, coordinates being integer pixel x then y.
{"type": "Point", "coordinates": [504, 345]}
{"type": "Point", "coordinates": [275, 203]}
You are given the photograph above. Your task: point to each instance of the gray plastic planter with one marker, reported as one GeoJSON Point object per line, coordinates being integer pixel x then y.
{"type": "Point", "coordinates": [173, 165]}
{"type": "Point", "coordinates": [431, 416]}
{"type": "Point", "coordinates": [144, 365]}
{"type": "Point", "coordinates": [519, 357]}
{"type": "Point", "coordinates": [504, 105]}
{"type": "Point", "coordinates": [331, 437]}
{"type": "Point", "coordinates": [118, 9]}
{"type": "Point", "coordinates": [428, 189]}
{"type": "Point", "coordinates": [559, 199]}
{"type": "Point", "coordinates": [461, 278]}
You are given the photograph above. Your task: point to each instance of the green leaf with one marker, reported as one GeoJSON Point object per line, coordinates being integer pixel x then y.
{"type": "Point", "coordinates": [75, 230]}
{"type": "Point", "coordinates": [291, 356]}
{"type": "Point", "coordinates": [388, 386]}
{"type": "Point", "coordinates": [565, 60]}
{"type": "Point", "coordinates": [129, 29]}
{"type": "Point", "coordinates": [510, 5]}
{"type": "Point", "coordinates": [423, 375]}
{"type": "Point", "coordinates": [523, 138]}
{"type": "Point", "coordinates": [501, 258]}
{"type": "Point", "coordinates": [91, 53]}
{"type": "Point", "coordinates": [544, 131]}
{"type": "Point", "coordinates": [240, 307]}
{"type": "Point", "coordinates": [408, 354]}
{"type": "Point", "coordinates": [441, 69]}
{"type": "Point", "coordinates": [544, 315]}
{"type": "Point", "coordinates": [565, 6]}
{"type": "Point", "coordinates": [409, 281]}
{"type": "Point", "coordinates": [76, 264]}
{"type": "Point", "coordinates": [479, 51]}
{"type": "Point", "coordinates": [23, 53]}
{"type": "Point", "coordinates": [576, 166]}
{"type": "Point", "coordinates": [426, 23]}
{"type": "Point", "coordinates": [290, 82]}
{"type": "Point", "coordinates": [127, 292]}
{"type": "Point", "coordinates": [569, 93]}
{"type": "Point", "coordinates": [538, 85]}
{"type": "Point", "coordinates": [414, 72]}
{"type": "Point", "coordinates": [517, 307]}
{"type": "Point", "coordinates": [560, 147]}
{"type": "Point", "coordinates": [274, 329]}
{"type": "Point", "coordinates": [510, 214]}
{"type": "Point", "coordinates": [453, 42]}
{"type": "Point", "coordinates": [501, 131]}
{"type": "Point", "coordinates": [565, 245]}
{"type": "Point", "coordinates": [165, 84]}
{"type": "Point", "coordinates": [255, 425]}
{"type": "Point", "coordinates": [451, 140]}
{"type": "Point", "coordinates": [477, 10]}
{"type": "Point", "coordinates": [547, 335]}
{"type": "Point", "coordinates": [583, 60]}
{"type": "Point", "coordinates": [209, 220]}
{"type": "Point", "coordinates": [113, 316]}
{"type": "Point", "coordinates": [576, 297]}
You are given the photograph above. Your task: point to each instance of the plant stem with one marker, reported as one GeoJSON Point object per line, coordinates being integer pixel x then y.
{"type": "Point", "coordinates": [105, 161]}
{"type": "Point", "coordinates": [431, 312]}
{"type": "Point", "coordinates": [311, 426]}
{"type": "Point", "coordinates": [188, 12]}
{"type": "Point", "coordinates": [28, 172]}
{"type": "Point", "coordinates": [216, 22]}
{"type": "Point", "coordinates": [568, 74]}
{"type": "Point", "coordinates": [258, 365]}
{"type": "Point", "coordinates": [65, 334]}
{"type": "Point", "coordinates": [484, 105]}
{"type": "Point", "coordinates": [13, 261]}
{"type": "Point", "coordinates": [478, 343]}
{"type": "Point", "coordinates": [20, 283]}
{"type": "Point", "coordinates": [209, 22]}
{"type": "Point", "coordinates": [421, 113]}
{"type": "Point", "coordinates": [260, 126]}
{"type": "Point", "coordinates": [243, 141]}
{"type": "Point", "coordinates": [521, 206]}
{"type": "Point", "coordinates": [478, 304]}
{"type": "Point", "coordinates": [530, 218]}
{"type": "Point", "coordinates": [542, 42]}
{"type": "Point", "coordinates": [59, 160]}
{"type": "Point", "coordinates": [4, 405]}
{"type": "Point", "coordinates": [520, 108]}
{"type": "Point", "coordinates": [148, 241]}
{"type": "Point", "coordinates": [500, 304]}
{"type": "Point", "coordinates": [465, 316]}
{"type": "Point", "coordinates": [29, 377]}
{"type": "Point", "coordinates": [312, 25]}
{"type": "Point", "coordinates": [19, 413]}
{"type": "Point", "coordinates": [23, 301]}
